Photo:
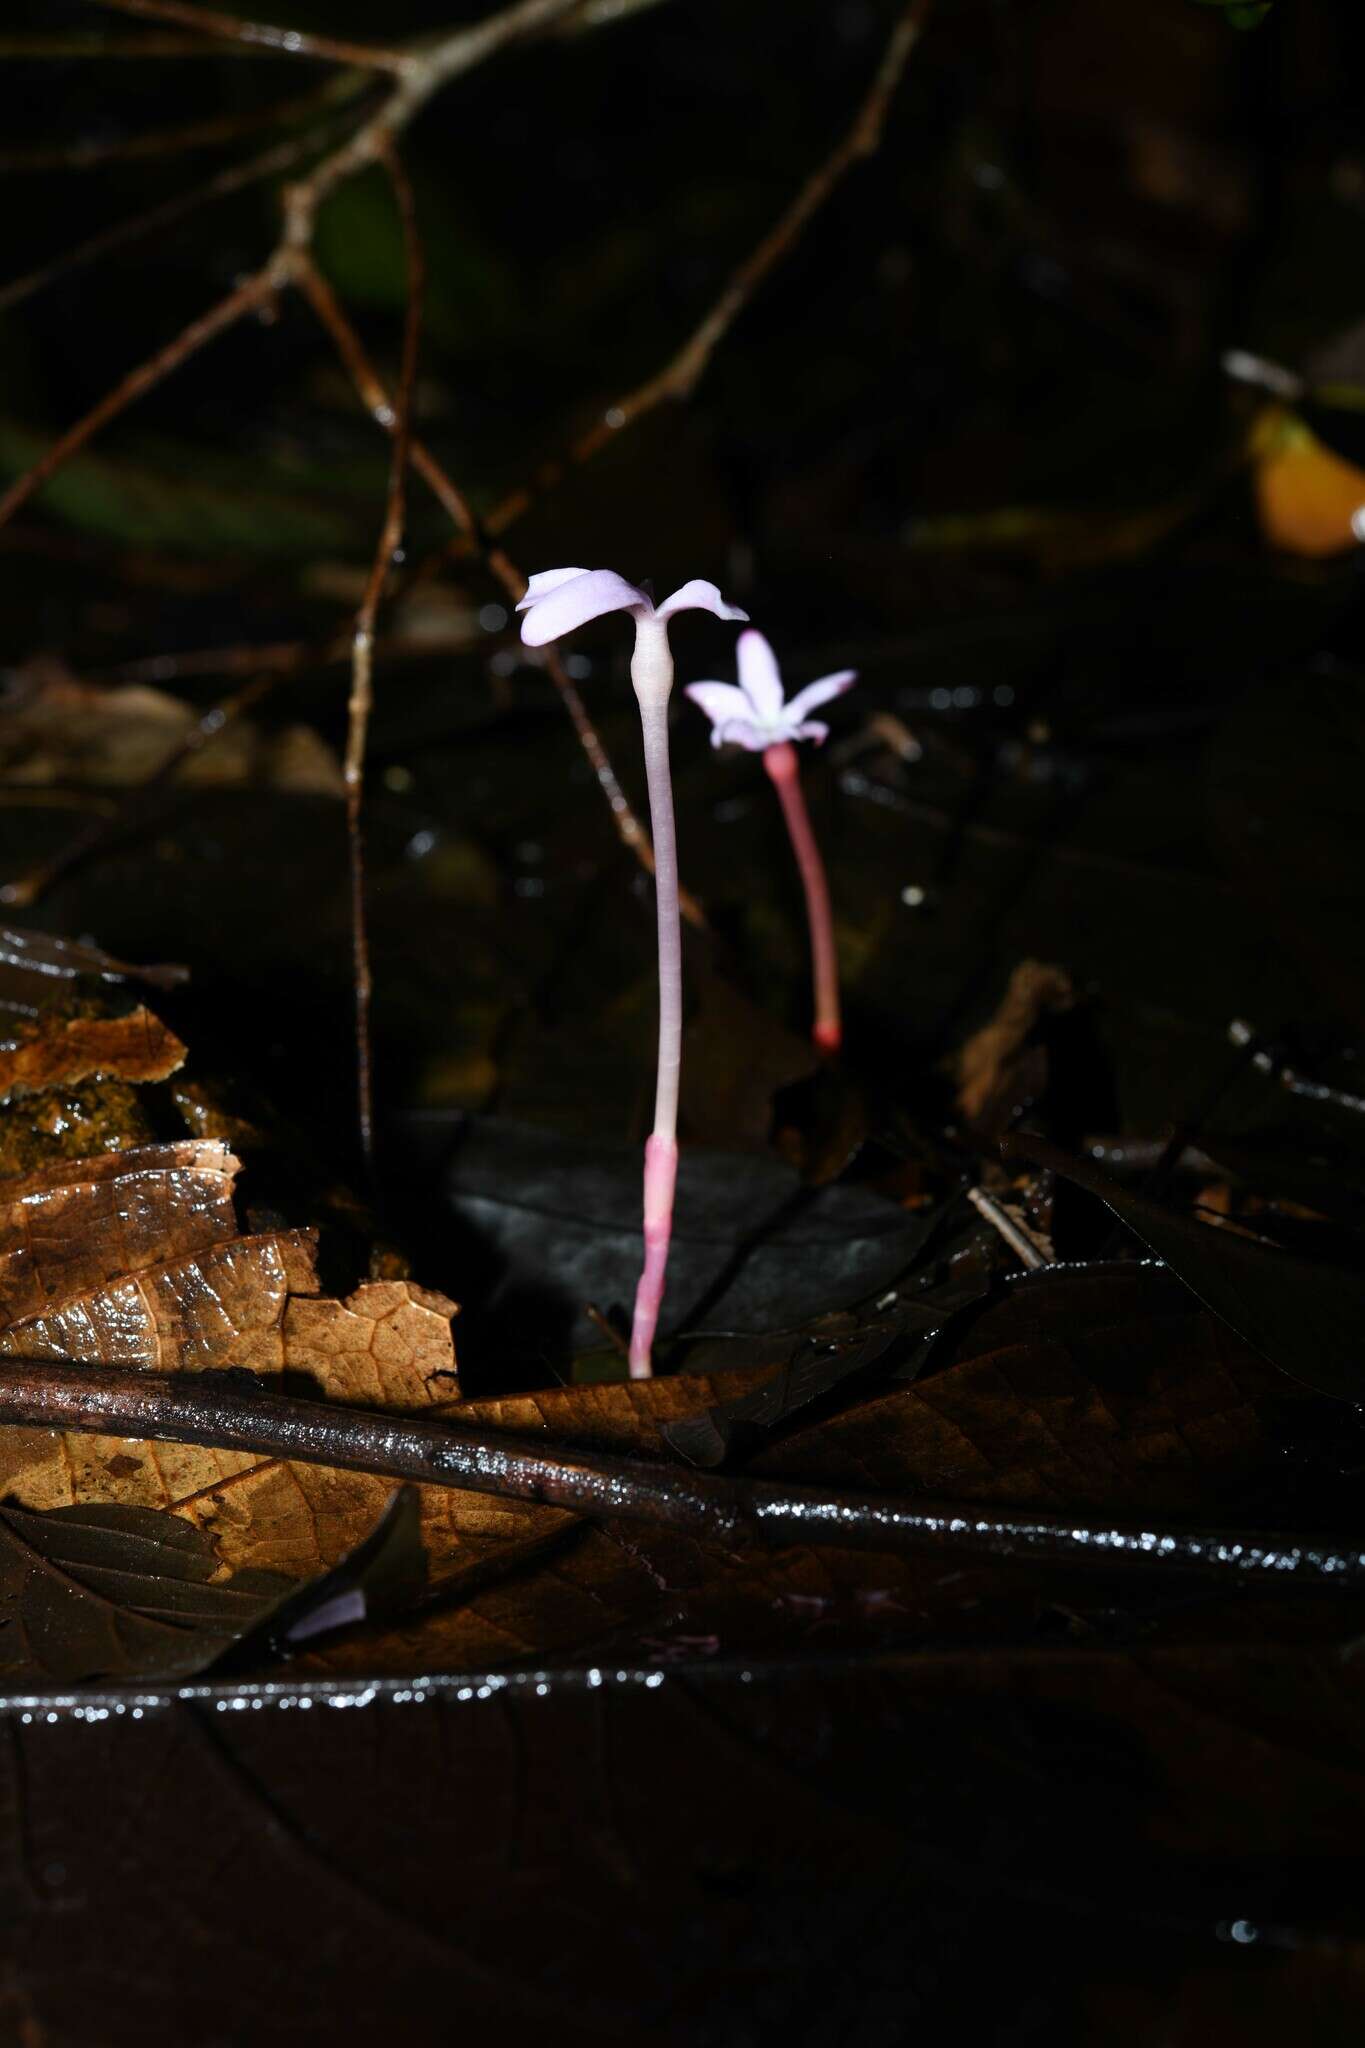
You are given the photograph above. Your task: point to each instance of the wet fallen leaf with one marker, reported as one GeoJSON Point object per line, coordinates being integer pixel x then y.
{"type": "Point", "coordinates": [102, 1591]}
{"type": "Point", "coordinates": [554, 1224]}
{"type": "Point", "coordinates": [39, 959]}
{"type": "Point", "coordinates": [1304, 1315]}
{"type": "Point", "coordinates": [68, 1228]}
{"type": "Point", "coordinates": [135, 1047]}
{"type": "Point", "coordinates": [217, 1308]}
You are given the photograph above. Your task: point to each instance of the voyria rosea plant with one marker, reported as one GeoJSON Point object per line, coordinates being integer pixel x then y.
{"type": "Point", "coordinates": [556, 602]}
{"type": "Point", "coordinates": [757, 715]}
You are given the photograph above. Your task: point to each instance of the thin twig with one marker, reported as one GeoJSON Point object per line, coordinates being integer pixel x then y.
{"type": "Point", "coordinates": [27, 888]}
{"type": "Point", "coordinates": [31, 47]}
{"type": "Point", "coordinates": [362, 646]}
{"type": "Point", "coordinates": [457, 507]}
{"type": "Point", "coordinates": [178, 141]}
{"type": "Point", "coordinates": [245, 298]}
{"type": "Point", "coordinates": [284, 156]}
{"type": "Point", "coordinates": [736, 1513]}
{"type": "Point", "coordinates": [284, 42]}
{"type": "Point", "coordinates": [681, 373]}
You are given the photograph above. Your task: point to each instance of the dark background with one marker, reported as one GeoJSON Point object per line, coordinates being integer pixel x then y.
{"type": "Point", "coordinates": [974, 437]}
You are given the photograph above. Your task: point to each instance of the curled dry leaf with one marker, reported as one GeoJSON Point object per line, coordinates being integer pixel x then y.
{"type": "Point", "coordinates": [59, 1052]}
{"type": "Point", "coordinates": [58, 729]}
{"type": "Point", "coordinates": [989, 1066]}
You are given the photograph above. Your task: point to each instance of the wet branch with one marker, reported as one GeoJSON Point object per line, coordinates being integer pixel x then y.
{"type": "Point", "coordinates": [737, 1513]}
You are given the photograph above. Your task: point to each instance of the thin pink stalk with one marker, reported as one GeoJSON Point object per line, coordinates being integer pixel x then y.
{"type": "Point", "coordinates": [652, 674]}
{"type": "Point", "coordinates": [781, 764]}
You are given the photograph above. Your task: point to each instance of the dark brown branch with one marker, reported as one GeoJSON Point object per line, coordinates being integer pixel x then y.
{"type": "Point", "coordinates": [736, 1513]}
{"type": "Point", "coordinates": [681, 373]}
{"type": "Point", "coordinates": [284, 42]}
{"type": "Point", "coordinates": [362, 645]}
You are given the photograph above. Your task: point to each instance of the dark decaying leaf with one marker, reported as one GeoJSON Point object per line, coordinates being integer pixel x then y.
{"type": "Point", "coordinates": [109, 1592]}
{"type": "Point", "coordinates": [1110, 1391]}
{"type": "Point", "coordinates": [1296, 840]}
{"type": "Point", "coordinates": [557, 1223]}
{"type": "Point", "coordinates": [814, 1852]}
{"type": "Point", "coordinates": [382, 1578]}
{"type": "Point", "coordinates": [824, 1359]}
{"type": "Point", "coordinates": [1305, 1316]}
{"type": "Point", "coordinates": [35, 960]}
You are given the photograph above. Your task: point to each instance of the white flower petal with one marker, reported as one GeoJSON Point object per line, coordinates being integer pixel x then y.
{"type": "Point", "coordinates": [701, 597]}
{"type": "Point", "coordinates": [759, 675]}
{"type": "Point", "coordinates": [572, 602]}
{"type": "Point", "coordinates": [811, 730]}
{"type": "Point", "coordinates": [544, 581]}
{"type": "Point", "coordinates": [742, 732]}
{"type": "Point", "coordinates": [821, 692]}
{"type": "Point", "coordinates": [720, 701]}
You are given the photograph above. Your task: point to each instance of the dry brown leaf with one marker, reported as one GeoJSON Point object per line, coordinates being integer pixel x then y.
{"type": "Point", "coordinates": [217, 1308]}
{"type": "Point", "coordinates": [387, 1346]}
{"type": "Point", "coordinates": [57, 1052]}
{"type": "Point", "coordinates": [68, 1228]}
{"type": "Point", "coordinates": [57, 729]}
{"type": "Point", "coordinates": [986, 1064]}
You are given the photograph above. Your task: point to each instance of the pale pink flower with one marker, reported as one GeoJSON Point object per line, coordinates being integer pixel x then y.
{"type": "Point", "coordinates": [557, 601]}
{"type": "Point", "coordinates": [757, 714]}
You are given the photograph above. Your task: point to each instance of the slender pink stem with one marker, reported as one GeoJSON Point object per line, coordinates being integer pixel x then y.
{"type": "Point", "coordinates": [781, 764]}
{"type": "Point", "coordinates": [661, 1174]}
{"type": "Point", "coordinates": [652, 674]}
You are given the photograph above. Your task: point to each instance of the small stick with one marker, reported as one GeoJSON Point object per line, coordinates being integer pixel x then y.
{"type": "Point", "coordinates": [283, 42]}
{"type": "Point", "coordinates": [281, 158]}
{"type": "Point", "coordinates": [1000, 1220]}
{"type": "Point", "coordinates": [362, 654]}
{"type": "Point", "coordinates": [177, 141]}
{"type": "Point", "coordinates": [680, 375]}
{"type": "Point", "coordinates": [252, 292]}
{"type": "Point", "coordinates": [461, 513]}
{"type": "Point", "coordinates": [735, 1512]}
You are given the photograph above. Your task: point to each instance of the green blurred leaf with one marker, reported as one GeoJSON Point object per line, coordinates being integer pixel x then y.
{"type": "Point", "coordinates": [201, 505]}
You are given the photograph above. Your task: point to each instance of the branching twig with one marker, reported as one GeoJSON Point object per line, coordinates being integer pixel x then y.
{"type": "Point", "coordinates": [245, 298]}
{"type": "Point", "coordinates": [285, 156]}
{"type": "Point", "coordinates": [192, 135]}
{"type": "Point", "coordinates": [734, 1513]}
{"type": "Point", "coordinates": [284, 42]}
{"type": "Point", "coordinates": [681, 373]}
{"type": "Point", "coordinates": [457, 507]}
{"type": "Point", "coordinates": [362, 648]}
